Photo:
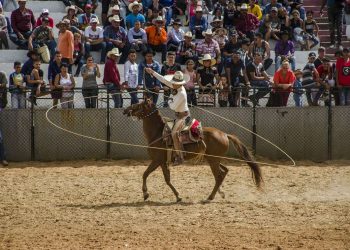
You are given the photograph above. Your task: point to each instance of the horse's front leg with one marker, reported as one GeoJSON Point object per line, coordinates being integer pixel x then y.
{"type": "Point", "coordinates": [153, 166]}
{"type": "Point", "coordinates": [166, 173]}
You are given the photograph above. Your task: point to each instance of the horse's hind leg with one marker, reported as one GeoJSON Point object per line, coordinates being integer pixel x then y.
{"type": "Point", "coordinates": [153, 166]}
{"type": "Point", "coordinates": [219, 171]}
{"type": "Point", "coordinates": [166, 173]}
{"type": "Point", "coordinates": [225, 171]}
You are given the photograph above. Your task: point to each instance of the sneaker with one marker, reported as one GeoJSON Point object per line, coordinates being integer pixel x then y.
{"type": "Point", "coordinates": [4, 163]}
{"type": "Point", "coordinates": [332, 46]}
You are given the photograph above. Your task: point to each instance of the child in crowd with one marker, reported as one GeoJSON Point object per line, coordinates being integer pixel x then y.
{"type": "Point", "coordinates": [298, 88]}
{"type": "Point", "coordinates": [17, 88]}
{"type": "Point", "coordinates": [221, 37]}
{"type": "Point", "coordinates": [35, 82]}
{"type": "Point", "coordinates": [78, 53]}
{"type": "Point", "coordinates": [311, 30]}
{"type": "Point", "coordinates": [131, 75]}
{"type": "Point", "coordinates": [190, 85]}
{"type": "Point", "coordinates": [224, 90]}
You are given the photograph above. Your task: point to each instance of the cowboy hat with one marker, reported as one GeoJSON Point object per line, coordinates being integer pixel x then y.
{"type": "Point", "coordinates": [158, 19]}
{"type": "Point", "coordinates": [207, 57]}
{"type": "Point", "coordinates": [219, 29]}
{"type": "Point", "coordinates": [114, 51]}
{"type": "Point", "coordinates": [178, 78]}
{"type": "Point", "coordinates": [188, 34]}
{"type": "Point", "coordinates": [216, 20]}
{"type": "Point", "coordinates": [177, 21]}
{"type": "Point", "coordinates": [94, 20]}
{"type": "Point", "coordinates": [199, 9]}
{"type": "Point", "coordinates": [135, 3]}
{"type": "Point", "coordinates": [61, 22]}
{"type": "Point", "coordinates": [244, 6]}
{"type": "Point", "coordinates": [72, 7]}
{"type": "Point", "coordinates": [115, 18]}
{"type": "Point", "coordinates": [208, 32]}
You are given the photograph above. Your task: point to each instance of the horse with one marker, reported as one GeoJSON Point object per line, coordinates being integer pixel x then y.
{"type": "Point", "coordinates": [216, 145]}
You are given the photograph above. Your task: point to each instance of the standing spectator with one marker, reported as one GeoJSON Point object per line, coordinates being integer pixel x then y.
{"type": "Point", "coordinates": [116, 37]}
{"type": "Point", "coordinates": [66, 83]}
{"type": "Point", "coordinates": [111, 77]}
{"type": "Point", "coordinates": [89, 72]}
{"type": "Point", "coordinates": [2, 151]}
{"type": "Point", "coordinates": [94, 40]}
{"type": "Point", "coordinates": [169, 68]}
{"type": "Point", "coordinates": [23, 22]}
{"type": "Point", "coordinates": [149, 83]}
{"type": "Point", "coordinates": [246, 23]}
{"type": "Point", "coordinates": [131, 73]}
{"type": "Point", "coordinates": [284, 50]}
{"type": "Point", "coordinates": [157, 37]}
{"type": "Point", "coordinates": [190, 85]}
{"type": "Point", "coordinates": [3, 90]}
{"type": "Point", "coordinates": [298, 88]}
{"type": "Point", "coordinates": [35, 82]}
{"type": "Point", "coordinates": [255, 9]}
{"type": "Point", "coordinates": [258, 78]}
{"type": "Point", "coordinates": [55, 69]}
{"type": "Point", "coordinates": [29, 64]}
{"type": "Point", "coordinates": [137, 38]}
{"type": "Point", "coordinates": [311, 30]}
{"type": "Point", "coordinates": [41, 36]}
{"type": "Point", "coordinates": [207, 75]}
{"type": "Point", "coordinates": [209, 46]}
{"type": "Point", "coordinates": [261, 46]}
{"type": "Point", "coordinates": [283, 81]}
{"type": "Point", "coordinates": [78, 54]}
{"type": "Point", "coordinates": [335, 11]}
{"type": "Point", "coordinates": [44, 14]}
{"type": "Point", "coordinates": [321, 54]}
{"type": "Point", "coordinates": [65, 44]}
{"type": "Point", "coordinates": [175, 36]}
{"type": "Point", "coordinates": [72, 15]}
{"type": "Point", "coordinates": [310, 79]}
{"type": "Point", "coordinates": [85, 18]}
{"type": "Point", "coordinates": [326, 81]}
{"type": "Point", "coordinates": [3, 29]}
{"type": "Point", "coordinates": [343, 77]}
{"type": "Point", "coordinates": [186, 50]}
{"type": "Point", "coordinates": [135, 8]}
{"type": "Point", "coordinates": [224, 91]}
{"type": "Point", "coordinates": [198, 23]}
{"type": "Point", "coordinates": [17, 88]}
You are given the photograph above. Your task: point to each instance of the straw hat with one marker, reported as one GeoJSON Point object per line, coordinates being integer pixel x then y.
{"type": "Point", "coordinates": [188, 34]}
{"type": "Point", "coordinates": [135, 3]}
{"type": "Point", "coordinates": [115, 18]}
{"type": "Point", "coordinates": [199, 9]}
{"type": "Point", "coordinates": [208, 32]}
{"type": "Point", "coordinates": [178, 78]}
{"type": "Point", "coordinates": [207, 57]}
{"type": "Point", "coordinates": [244, 6]}
{"type": "Point", "coordinates": [114, 51]}
{"type": "Point", "coordinates": [60, 23]}
{"type": "Point", "coordinates": [177, 21]}
{"type": "Point", "coordinates": [72, 7]}
{"type": "Point", "coordinates": [216, 20]}
{"type": "Point", "coordinates": [94, 20]}
{"type": "Point", "coordinates": [158, 19]}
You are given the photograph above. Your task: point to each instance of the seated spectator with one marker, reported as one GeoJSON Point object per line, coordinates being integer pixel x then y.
{"type": "Point", "coordinates": [209, 46]}
{"type": "Point", "coordinates": [137, 38]}
{"type": "Point", "coordinates": [43, 35]}
{"type": "Point", "coordinates": [310, 79]}
{"type": "Point", "coordinates": [321, 54]}
{"type": "Point", "coordinates": [255, 9]}
{"type": "Point", "coordinates": [220, 5]}
{"type": "Point", "coordinates": [131, 73]}
{"type": "Point", "coordinates": [44, 14]}
{"type": "Point", "coordinates": [218, 15]}
{"type": "Point", "coordinates": [148, 81]}
{"type": "Point", "coordinates": [65, 82]}
{"type": "Point", "coordinates": [180, 7]}
{"type": "Point", "coordinates": [230, 13]}
{"type": "Point", "coordinates": [169, 68]}
{"type": "Point", "coordinates": [236, 77]}
{"type": "Point", "coordinates": [193, 4]}
{"type": "Point", "coordinates": [258, 78]}
{"type": "Point", "coordinates": [3, 29]}
{"type": "Point", "coordinates": [73, 29]}
{"type": "Point", "coordinates": [81, 4]}
{"type": "Point", "coordinates": [311, 30]}
{"type": "Point", "coordinates": [72, 15]}
{"type": "Point", "coordinates": [116, 37]}
{"type": "Point", "coordinates": [85, 18]}
{"type": "Point", "coordinates": [343, 77]}
{"type": "Point", "coordinates": [284, 19]}
{"type": "Point", "coordinates": [298, 5]}
{"type": "Point", "coordinates": [78, 54]}
{"type": "Point", "coordinates": [35, 82]}
{"type": "Point", "coordinates": [284, 50]}
{"type": "Point", "coordinates": [190, 85]}
{"type": "Point", "coordinates": [283, 81]}
{"type": "Point", "coordinates": [221, 37]}
{"type": "Point", "coordinates": [135, 8]}
{"type": "Point", "coordinates": [186, 50]}
{"type": "Point", "coordinates": [207, 75]}
{"type": "Point", "coordinates": [216, 24]}
{"type": "Point", "coordinates": [23, 22]}
{"type": "Point", "coordinates": [273, 4]}
{"type": "Point", "coordinates": [17, 87]}
{"type": "Point", "coordinates": [175, 36]}
{"type": "Point", "coordinates": [65, 43]}
{"type": "Point", "coordinates": [94, 40]}
{"type": "Point", "coordinates": [157, 37]}
{"type": "Point", "coordinates": [55, 69]}
{"type": "Point", "coordinates": [115, 11]}
{"type": "Point", "coordinates": [246, 23]}
{"type": "Point", "coordinates": [198, 23]}
{"type": "Point", "coordinates": [90, 71]}
{"type": "Point", "coordinates": [244, 51]}
{"type": "Point", "coordinates": [29, 64]}
{"type": "Point", "coordinates": [155, 13]}
{"type": "Point", "coordinates": [261, 46]}
{"type": "Point", "coordinates": [231, 46]}
{"type": "Point", "coordinates": [296, 25]}
{"type": "Point", "coordinates": [275, 24]}
{"type": "Point", "coordinates": [111, 77]}
{"type": "Point", "coordinates": [298, 88]}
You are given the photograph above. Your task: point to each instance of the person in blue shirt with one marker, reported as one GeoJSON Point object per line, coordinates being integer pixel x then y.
{"type": "Point", "coordinates": [130, 19]}
{"type": "Point", "coordinates": [269, 6]}
{"type": "Point", "coordinates": [198, 23]}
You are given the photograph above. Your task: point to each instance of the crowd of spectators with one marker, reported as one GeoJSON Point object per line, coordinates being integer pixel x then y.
{"type": "Point", "coordinates": [226, 50]}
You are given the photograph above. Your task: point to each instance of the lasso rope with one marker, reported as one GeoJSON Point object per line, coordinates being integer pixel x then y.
{"type": "Point", "coordinates": [183, 151]}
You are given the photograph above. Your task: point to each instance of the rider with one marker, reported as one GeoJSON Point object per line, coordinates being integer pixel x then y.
{"type": "Point", "coordinates": [177, 102]}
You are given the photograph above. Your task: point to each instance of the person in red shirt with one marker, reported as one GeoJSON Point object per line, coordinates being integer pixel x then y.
{"type": "Point", "coordinates": [44, 13]}
{"type": "Point", "coordinates": [111, 77]}
{"type": "Point", "coordinates": [327, 81]}
{"type": "Point", "coordinates": [283, 81]}
{"type": "Point", "coordinates": [343, 77]}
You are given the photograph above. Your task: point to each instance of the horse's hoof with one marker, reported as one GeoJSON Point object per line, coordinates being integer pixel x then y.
{"type": "Point", "coordinates": [145, 196]}
{"type": "Point", "coordinates": [178, 199]}
{"type": "Point", "coordinates": [206, 201]}
{"type": "Point", "coordinates": [222, 194]}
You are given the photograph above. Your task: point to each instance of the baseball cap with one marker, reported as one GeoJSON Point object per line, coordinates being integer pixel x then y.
{"type": "Point", "coordinates": [312, 54]}
{"type": "Point", "coordinates": [274, 9]}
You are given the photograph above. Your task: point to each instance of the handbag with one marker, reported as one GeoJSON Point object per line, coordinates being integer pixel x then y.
{"type": "Point", "coordinates": [44, 53]}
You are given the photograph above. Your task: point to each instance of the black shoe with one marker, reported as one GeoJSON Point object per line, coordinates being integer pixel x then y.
{"type": "Point", "coordinates": [32, 99]}
{"type": "Point", "coordinates": [4, 163]}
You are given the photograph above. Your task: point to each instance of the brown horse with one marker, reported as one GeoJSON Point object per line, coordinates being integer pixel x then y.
{"type": "Point", "coordinates": [216, 141]}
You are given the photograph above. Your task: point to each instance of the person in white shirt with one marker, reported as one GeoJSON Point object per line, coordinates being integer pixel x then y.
{"type": "Point", "coordinates": [178, 103]}
{"type": "Point", "coordinates": [94, 39]}
{"type": "Point", "coordinates": [131, 72]}
{"type": "Point", "coordinates": [175, 36]}
{"type": "Point", "coordinates": [137, 37]}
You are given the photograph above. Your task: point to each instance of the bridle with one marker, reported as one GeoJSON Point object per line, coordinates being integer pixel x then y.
{"type": "Point", "coordinates": [142, 115]}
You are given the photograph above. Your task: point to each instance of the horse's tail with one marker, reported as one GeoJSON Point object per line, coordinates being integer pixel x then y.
{"type": "Point", "coordinates": [247, 156]}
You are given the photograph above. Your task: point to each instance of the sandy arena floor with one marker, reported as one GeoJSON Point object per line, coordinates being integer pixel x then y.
{"type": "Point", "coordinates": [98, 205]}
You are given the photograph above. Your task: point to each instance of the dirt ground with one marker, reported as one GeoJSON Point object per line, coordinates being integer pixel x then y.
{"type": "Point", "coordinates": [99, 205]}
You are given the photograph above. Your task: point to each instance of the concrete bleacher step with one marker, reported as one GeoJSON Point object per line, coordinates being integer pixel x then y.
{"type": "Point", "coordinates": [37, 6]}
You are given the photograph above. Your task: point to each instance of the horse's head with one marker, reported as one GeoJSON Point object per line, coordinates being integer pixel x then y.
{"type": "Point", "coordinates": [140, 110]}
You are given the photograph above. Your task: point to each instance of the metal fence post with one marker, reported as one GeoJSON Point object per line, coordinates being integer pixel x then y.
{"type": "Point", "coordinates": [330, 126]}
{"type": "Point", "coordinates": [32, 133]}
{"type": "Point", "coordinates": [108, 137]}
{"type": "Point", "coordinates": [254, 123]}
